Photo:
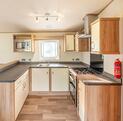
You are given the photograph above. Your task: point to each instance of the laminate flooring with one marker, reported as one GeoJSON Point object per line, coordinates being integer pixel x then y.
{"type": "Point", "coordinates": [48, 108]}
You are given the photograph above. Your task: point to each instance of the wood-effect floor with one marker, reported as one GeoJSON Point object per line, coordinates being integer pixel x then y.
{"type": "Point", "coordinates": [48, 108]}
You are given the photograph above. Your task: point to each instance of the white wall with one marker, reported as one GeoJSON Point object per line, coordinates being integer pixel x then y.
{"type": "Point", "coordinates": [86, 57]}
{"type": "Point", "coordinates": [6, 49]}
{"type": "Point", "coordinates": [7, 54]}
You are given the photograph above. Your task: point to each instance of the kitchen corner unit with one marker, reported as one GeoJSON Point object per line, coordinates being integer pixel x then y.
{"type": "Point", "coordinates": [13, 96]}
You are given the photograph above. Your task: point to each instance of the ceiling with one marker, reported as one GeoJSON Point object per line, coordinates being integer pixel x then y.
{"type": "Point", "coordinates": [17, 15]}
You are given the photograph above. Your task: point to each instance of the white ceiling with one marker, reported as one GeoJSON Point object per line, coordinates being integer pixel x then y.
{"type": "Point", "coordinates": [16, 15]}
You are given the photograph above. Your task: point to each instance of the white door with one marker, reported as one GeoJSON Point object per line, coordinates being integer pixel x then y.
{"type": "Point", "coordinates": [40, 79]}
{"type": "Point", "coordinates": [59, 79]}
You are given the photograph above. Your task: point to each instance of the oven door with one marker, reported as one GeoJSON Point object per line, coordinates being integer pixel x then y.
{"type": "Point", "coordinates": [73, 91]}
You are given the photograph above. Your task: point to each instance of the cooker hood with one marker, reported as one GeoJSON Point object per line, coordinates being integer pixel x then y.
{"type": "Point", "coordinates": [86, 30]}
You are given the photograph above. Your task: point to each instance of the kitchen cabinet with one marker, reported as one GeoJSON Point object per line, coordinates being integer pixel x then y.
{"type": "Point", "coordinates": [75, 44]}
{"type": "Point", "coordinates": [23, 43]}
{"type": "Point", "coordinates": [49, 79]}
{"type": "Point", "coordinates": [21, 92]}
{"type": "Point", "coordinates": [13, 96]}
{"type": "Point", "coordinates": [105, 36]}
{"type": "Point", "coordinates": [69, 43]}
{"type": "Point", "coordinates": [99, 102]}
{"type": "Point", "coordinates": [40, 79]}
{"type": "Point", "coordinates": [59, 79]}
{"type": "Point", "coordinates": [81, 98]}
{"type": "Point", "coordinates": [82, 44]}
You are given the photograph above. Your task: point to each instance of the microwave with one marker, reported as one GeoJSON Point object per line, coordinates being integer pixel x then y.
{"type": "Point", "coordinates": [23, 45]}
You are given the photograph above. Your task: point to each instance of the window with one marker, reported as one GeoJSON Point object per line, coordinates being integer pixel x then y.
{"type": "Point", "coordinates": [49, 49]}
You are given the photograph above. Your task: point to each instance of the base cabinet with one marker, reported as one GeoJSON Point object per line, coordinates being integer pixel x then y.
{"type": "Point", "coordinates": [49, 79]}
{"type": "Point", "coordinates": [82, 101]}
{"type": "Point", "coordinates": [12, 97]}
{"type": "Point", "coordinates": [21, 92]}
{"type": "Point", "coordinates": [59, 79]}
{"type": "Point", "coordinates": [99, 103]}
{"type": "Point", "coordinates": [40, 79]}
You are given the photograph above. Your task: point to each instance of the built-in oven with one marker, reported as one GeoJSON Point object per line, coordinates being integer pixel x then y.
{"type": "Point", "coordinates": [73, 86]}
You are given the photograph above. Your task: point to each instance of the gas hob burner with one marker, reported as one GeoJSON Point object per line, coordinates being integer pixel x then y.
{"type": "Point", "coordinates": [83, 71]}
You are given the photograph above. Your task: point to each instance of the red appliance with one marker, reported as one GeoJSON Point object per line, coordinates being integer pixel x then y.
{"type": "Point", "coordinates": [117, 69]}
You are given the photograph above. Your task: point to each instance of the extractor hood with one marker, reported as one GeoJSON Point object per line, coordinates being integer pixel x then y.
{"type": "Point", "coordinates": [87, 20]}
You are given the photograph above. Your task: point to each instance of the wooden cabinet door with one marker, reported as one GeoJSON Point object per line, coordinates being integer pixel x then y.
{"type": "Point", "coordinates": [69, 42]}
{"type": "Point", "coordinates": [18, 99]}
{"type": "Point", "coordinates": [40, 79]}
{"type": "Point", "coordinates": [95, 42]}
{"type": "Point", "coordinates": [103, 103]}
{"type": "Point", "coordinates": [59, 79]}
{"type": "Point", "coordinates": [21, 92]}
{"type": "Point", "coordinates": [82, 101]}
{"type": "Point", "coordinates": [25, 84]}
{"type": "Point", "coordinates": [83, 45]}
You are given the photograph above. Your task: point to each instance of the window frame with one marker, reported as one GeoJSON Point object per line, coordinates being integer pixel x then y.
{"type": "Point", "coordinates": [49, 58]}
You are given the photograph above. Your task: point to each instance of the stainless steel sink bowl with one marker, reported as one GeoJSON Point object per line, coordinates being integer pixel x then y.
{"type": "Point", "coordinates": [43, 65]}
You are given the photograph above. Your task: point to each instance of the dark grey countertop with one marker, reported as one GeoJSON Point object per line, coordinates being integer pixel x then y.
{"type": "Point", "coordinates": [98, 79]}
{"type": "Point", "coordinates": [14, 72]}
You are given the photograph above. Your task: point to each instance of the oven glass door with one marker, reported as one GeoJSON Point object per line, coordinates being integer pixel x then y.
{"type": "Point", "coordinates": [73, 91]}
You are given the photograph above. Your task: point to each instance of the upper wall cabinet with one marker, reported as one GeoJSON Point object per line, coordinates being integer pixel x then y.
{"type": "Point", "coordinates": [75, 44]}
{"type": "Point", "coordinates": [82, 44]}
{"type": "Point", "coordinates": [23, 43]}
{"type": "Point", "coordinates": [105, 36]}
{"type": "Point", "coordinates": [69, 43]}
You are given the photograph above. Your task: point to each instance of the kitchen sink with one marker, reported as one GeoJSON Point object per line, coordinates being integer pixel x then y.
{"type": "Point", "coordinates": [50, 65]}
{"type": "Point", "coordinates": [43, 65]}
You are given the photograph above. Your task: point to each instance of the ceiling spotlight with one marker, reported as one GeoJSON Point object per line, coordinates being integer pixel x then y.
{"type": "Point", "coordinates": [48, 17]}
